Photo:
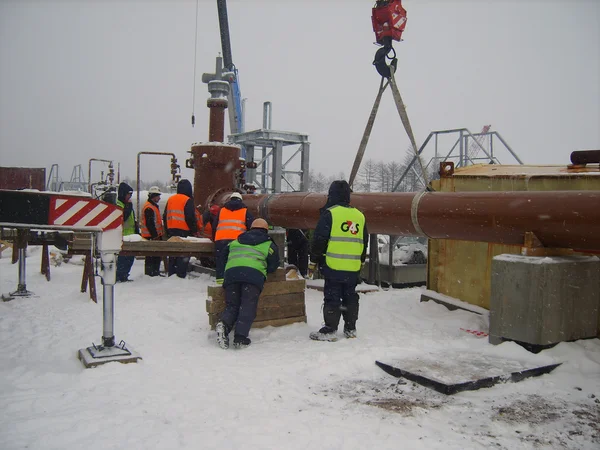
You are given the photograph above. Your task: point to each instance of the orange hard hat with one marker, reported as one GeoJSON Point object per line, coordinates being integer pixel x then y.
{"type": "Point", "coordinates": [260, 223]}
{"type": "Point", "coordinates": [214, 209]}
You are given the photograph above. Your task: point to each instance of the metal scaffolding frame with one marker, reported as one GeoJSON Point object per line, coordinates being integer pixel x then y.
{"type": "Point", "coordinates": [464, 151]}
{"type": "Point", "coordinates": [270, 168]}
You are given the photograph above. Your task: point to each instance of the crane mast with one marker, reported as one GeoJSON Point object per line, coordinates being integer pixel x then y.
{"type": "Point", "coordinates": [236, 122]}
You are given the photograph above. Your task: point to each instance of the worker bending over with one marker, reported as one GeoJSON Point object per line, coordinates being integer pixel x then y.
{"type": "Point", "coordinates": [249, 258]}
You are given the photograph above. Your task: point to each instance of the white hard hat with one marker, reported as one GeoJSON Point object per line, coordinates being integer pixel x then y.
{"type": "Point", "coordinates": [235, 195]}
{"type": "Point", "coordinates": [154, 190]}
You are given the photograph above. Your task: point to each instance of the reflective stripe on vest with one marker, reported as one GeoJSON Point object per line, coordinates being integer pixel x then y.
{"type": "Point", "coordinates": [251, 256]}
{"type": "Point", "coordinates": [175, 212]}
{"type": "Point", "coordinates": [157, 221]}
{"type": "Point", "coordinates": [346, 244]}
{"type": "Point", "coordinates": [129, 224]}
{"type": "Point", "coordinates": [231, 224]}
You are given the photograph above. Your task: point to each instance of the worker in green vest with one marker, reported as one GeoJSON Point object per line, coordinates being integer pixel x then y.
{"type": "Point", "coordinates": [339, 246]}
{"type": "Point", "coordinates": [248, 260]}
{"type": "Point", "coordinates": [130, 226]}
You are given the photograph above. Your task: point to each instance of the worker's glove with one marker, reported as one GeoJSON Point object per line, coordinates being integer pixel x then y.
{"type": "Point", "coordinates": [312, 266]}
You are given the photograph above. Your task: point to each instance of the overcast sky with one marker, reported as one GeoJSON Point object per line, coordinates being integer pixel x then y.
{"type": "Point", "coordinates": [90, 79]}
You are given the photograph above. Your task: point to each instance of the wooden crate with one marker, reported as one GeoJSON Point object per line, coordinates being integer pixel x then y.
{"type": "Point", "coordinates": [281, 302]}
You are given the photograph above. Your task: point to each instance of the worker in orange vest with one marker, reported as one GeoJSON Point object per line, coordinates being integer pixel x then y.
{"type": "Point", "coordinates": [152, 228]}
{"type": "Point", "coordinates": [180, 220]}
{"type": "Point", "coordinates": [234, 219]}
{"type": "Point", "coordinates": [209, 221]}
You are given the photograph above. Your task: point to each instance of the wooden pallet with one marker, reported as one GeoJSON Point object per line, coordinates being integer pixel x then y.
{"type": "Point", "coordinates": [280, 303]}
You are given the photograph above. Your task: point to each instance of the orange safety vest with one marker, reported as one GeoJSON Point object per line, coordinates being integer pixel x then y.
{"type": "Point", "coordinates": [175, 212]}
{"type": "Point", "coordinates": [157, 221]}
{"type": "Point", "coordinates": [204, 230]}
{"type": "Point", "coordinates": [231, 224]}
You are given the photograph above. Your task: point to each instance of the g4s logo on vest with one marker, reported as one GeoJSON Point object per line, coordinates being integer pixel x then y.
{"type": "Point", "coordinates": [350, 226]}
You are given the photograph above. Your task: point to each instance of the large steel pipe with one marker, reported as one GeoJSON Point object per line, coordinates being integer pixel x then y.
{"type": "Point", "coordinates": [565, 219]}
{"type": "Point", "coordinates": [215, 167]}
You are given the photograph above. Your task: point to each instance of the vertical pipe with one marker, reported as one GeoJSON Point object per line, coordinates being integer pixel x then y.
{"type": "Point", "coordinates": [305, 165]}
{"type": "Point", "coordinates": [276, 171]}
{"type": "Point", "coordinates": [267, 116]}
{"type": "Point", "coordinates": [109, 272]}
{"type": "Point", "coordinates": [22, 286]}
{"type": "Point", "coordinates": [137, 206]}
{"type": "Point", "coordinates": [216, 127]}
{"type": "Point", "coordinates": [108, 302]}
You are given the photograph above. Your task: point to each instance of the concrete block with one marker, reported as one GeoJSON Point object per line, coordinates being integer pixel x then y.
{"type": "Point", "coordinates": [544, 300]}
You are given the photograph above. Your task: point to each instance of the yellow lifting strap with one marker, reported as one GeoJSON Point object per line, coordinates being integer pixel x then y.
{"type": "Point", "coordinates": [403, 117]}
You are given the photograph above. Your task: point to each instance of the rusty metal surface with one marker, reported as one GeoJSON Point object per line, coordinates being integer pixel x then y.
{"type": "Point", "coordinates": [568, 219]}
{"type": "Point", "coordinates": [216, 124]}
{"type": "Point", "coordinates": [215, 167]}
{"type": "Point", "coordinates": [23, 178]}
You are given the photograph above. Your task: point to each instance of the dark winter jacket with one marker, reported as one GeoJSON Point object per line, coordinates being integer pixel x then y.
{"type": "Point", "coordinates": [207, 217]}
{"type": "Point", "coordinates": [255, 236]}
{"type": "Point", "coordinates": [233, 205]}
{"type": "Point", "coordinates": [184, 187]}
{"type": "Point", "coordinates": [296, 239]}
{"type": "Point", "coordinates": [125, 189]}
{"type": "Point", "coordinates": [339, 194]}
{"type": "Point", "coordinates": [149, 218]}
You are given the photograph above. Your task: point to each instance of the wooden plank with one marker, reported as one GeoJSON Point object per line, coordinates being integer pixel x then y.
{"type": "Point", "coordinates": [83, 241]}
{"type": "Point", "coordinates": [264, 301]}
{"type": "Point", "coordinates": [278, 275]}
{"type": "Point", "coordinates": [272, 311]}
{"type": "Point", "coordinates": [272, 288]}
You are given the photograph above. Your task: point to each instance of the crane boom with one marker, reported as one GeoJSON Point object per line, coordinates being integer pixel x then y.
{"type": "Point", "coordinates": [236, 123]}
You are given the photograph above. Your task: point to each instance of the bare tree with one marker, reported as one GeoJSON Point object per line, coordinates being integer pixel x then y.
{"type": "Point", "coordinates": [395, 170]}
{"type": "Point", "coordinates": [367, 175]}
{"type": "Point", "coordinates": [317, 182]}
{"type": "Point", "coordinates": [382, 177]}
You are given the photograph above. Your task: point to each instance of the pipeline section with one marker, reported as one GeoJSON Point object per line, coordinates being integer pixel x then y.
{"type": "Point", "coordinates": [560, 219]}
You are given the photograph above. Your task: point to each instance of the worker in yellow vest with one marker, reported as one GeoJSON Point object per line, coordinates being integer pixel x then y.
{"type": "Point", "coordinates": [180, 220]}
{"type": "Point", "coordinates": [152, 229]}
{"type": "Point", "coordinates": [130, 226]}
{"type": "Point", "coordinates": [339, 246]}
{"type": "Point", "coordinates": [249, 259]}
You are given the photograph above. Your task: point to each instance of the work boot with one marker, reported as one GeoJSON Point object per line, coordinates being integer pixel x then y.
{"type": "Point", "coordinates": [324, 334]}
{"type": "Point", "coordinates": [222, 335]}
{"type": "Point", "coordinates": [349, 332]}
{"type": "Point", "coordinates": [240, 341]}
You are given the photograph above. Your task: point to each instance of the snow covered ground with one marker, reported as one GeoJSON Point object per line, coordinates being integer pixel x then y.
{"type": "Point", "coordinates": [283, 392]}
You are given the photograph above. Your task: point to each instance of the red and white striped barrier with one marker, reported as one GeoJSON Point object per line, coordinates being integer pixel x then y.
{"type": "Point", "coordinates": [479, 334]}
{"type": "Point", "coordinates": [83, 212]}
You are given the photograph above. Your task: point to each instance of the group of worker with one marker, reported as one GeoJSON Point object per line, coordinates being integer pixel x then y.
{"type": "Point", "coordinates": [180, 218]}
{"type": "Point", "coordinates": [245, 254]}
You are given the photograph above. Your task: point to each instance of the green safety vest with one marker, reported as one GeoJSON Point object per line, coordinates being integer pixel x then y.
{"type": "Point", "coordinates": [253, 256]}
{"type": "Point", "coordinates": [346, 243]}
{"type": "Point", "coordinates": [129, 224]}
